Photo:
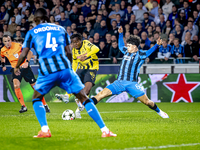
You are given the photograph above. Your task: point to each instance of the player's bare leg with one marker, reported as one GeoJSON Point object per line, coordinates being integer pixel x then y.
{"type": "Point", "coordinates": [145, 100]}
{"type": "Point", "coordinates": [41, 115]}
{"type": "Point", "coordinates": [104, 93]}
{"type": "Point", "coordinates": [93, 113]}
{"type": "Point", "coordinates": [19, 95]}
{"type": "Point", "coordinates": [43, 101]}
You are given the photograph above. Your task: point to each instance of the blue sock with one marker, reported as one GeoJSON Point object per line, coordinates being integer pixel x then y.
{"type": "Point", "coordinates": [155, 108]}
{"type": "Point", "coordinates": [94, 113]}
{"type": "Point", "coordinates": [39, 111]}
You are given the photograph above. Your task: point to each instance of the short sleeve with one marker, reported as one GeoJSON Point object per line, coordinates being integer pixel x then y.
{"type": "Point", "coordinates": [28, 40]}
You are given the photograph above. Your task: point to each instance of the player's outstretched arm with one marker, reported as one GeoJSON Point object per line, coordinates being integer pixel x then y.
{"type": "Point", "coordinates": [121, 44]}
{"type": "Point", "coordinates": [93, 49]}
{"type": "Point", "coordinates": [151, 50]}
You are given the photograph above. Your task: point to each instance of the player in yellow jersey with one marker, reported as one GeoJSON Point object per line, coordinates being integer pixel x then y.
{"type": "Point", "coordinates": [85, 63]}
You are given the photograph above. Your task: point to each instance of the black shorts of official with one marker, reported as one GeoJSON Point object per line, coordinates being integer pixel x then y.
{"type": "Point", "coordinates": [87, 75]}
{"type": "Point", "coordinates": [26, 73]}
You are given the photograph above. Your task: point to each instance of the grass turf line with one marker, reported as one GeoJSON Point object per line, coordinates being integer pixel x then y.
{"type": "Point", "coordinates": [135, 124]}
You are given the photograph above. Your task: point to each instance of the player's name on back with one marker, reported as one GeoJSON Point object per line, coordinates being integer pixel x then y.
{"type": "Point", "coordinates": [47, 28]}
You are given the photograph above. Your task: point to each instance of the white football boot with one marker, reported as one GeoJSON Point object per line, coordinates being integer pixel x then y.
{"type": "Point", "coordinates": [62, 97]}
{"type": "Point", "coordinates": [79, 109]}
{"type": "Point", "coordinates": [163, 114]}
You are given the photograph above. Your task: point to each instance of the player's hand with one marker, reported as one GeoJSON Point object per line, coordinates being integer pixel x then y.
{"type": "Point", "coordinates": [120, 30]}
{"type": "Point", "coordinates": [4, 68]}
{"type": "Point", "coordinates": [83, 58]}
{"type": "Point", "coordinates": [25, 65]}
{"type": "Point", "coordinates": [159, 41]}
{"type": "Point", "coordinates": [17, 71]}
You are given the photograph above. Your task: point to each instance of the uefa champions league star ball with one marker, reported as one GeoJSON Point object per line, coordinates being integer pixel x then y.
{"type": "Point", "coordinates": [68, 115]}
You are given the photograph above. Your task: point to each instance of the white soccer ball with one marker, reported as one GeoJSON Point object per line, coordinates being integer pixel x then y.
{"type": "Point", "coordinates": [68, 115]}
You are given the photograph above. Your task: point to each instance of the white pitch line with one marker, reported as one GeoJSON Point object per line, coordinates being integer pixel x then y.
{"type": "Point", "coordinates": [157, 147]}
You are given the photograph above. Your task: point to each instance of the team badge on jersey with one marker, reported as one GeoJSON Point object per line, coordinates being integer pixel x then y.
{"type": "Point", "coordinates": [16, 55]}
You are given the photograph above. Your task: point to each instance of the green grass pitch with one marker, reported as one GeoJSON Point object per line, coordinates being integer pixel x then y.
{"type": "Point", "coordinates": [137, 128]}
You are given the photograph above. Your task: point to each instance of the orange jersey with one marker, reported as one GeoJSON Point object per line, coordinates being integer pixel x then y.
{"type": "Point", "coordinates": [12, 54]}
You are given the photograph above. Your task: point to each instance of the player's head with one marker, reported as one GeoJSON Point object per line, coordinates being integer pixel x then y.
{"type": "Point", "coordinates": [132, 43]}
{"type": "Point", "coordinates": [7, 41]}
{"type": "Point", "coordinates": [40, 16]}
{"type": "Point", "coordinates": [76, 40]}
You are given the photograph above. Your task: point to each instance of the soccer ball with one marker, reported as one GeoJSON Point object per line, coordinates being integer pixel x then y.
{"type": "Point", "coordinates": [68, 115]}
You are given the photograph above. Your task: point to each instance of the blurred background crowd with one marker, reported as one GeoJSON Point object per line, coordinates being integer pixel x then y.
{"type": "Point", "coordinates": [177, 22]}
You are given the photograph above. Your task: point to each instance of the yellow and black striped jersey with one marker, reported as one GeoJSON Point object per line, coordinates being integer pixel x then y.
{"type": "Point", "coordinates": [87, 49]}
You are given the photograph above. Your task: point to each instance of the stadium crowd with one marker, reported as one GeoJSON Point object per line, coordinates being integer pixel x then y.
{"type": "Point", "coordinates": [177, 22]}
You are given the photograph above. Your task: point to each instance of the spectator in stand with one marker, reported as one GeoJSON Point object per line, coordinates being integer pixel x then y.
{"type": "Point", "coordinates": [172, 15]}
{"type": "Point", "coordinates": [28, 16]}
{"type": "Point", "coordinates": [186, 8]}
{"type": "Point", "coordinates": [136, 6]}
{"type": "Point", "coordinates": [65, 22]}
{"type": "Point", "coordinates": [132, 23]}
{"type": "Point", "coordinates": [94, 2]}
{"type": "Point", "coordinates": [22, 33]}
{"type": "Point", "coordinates": [164, 51]}
{"type": "Point", "coordinates": [58, 5]}
{"type": "Point", "coordinates": [98, 21]}
{"type": "Point", "coordinates": [162, 23]}
{"type": "Point", "coordinates": [57, 14]}
{"type": "Point", "coordinates": [140, 30]}
{"type": "Point", "coordinates": [152, 57]}
{"type": "Point", "coordinates": [157, 18]}
{"type": "Point", "coordinates": [143, 46]}
{"type": "Point", "coordinates": [34, 6]}
{"type": "Point", "coordinates": [91, 39]}
{"type": "Point", "coordinates": [178, 33]}
{"type": "Point", "coordinates": [89, 29]}
{"type": "Point", "coordinates": [154, 11]}
{"type": "Point", "coordinates": [149, 30]}
{"type": "Point", "coordinates": [117, 10]}
{"type": "Point", "coordinates": [139, 13]}
{"type": "Point", "coordinates": [103, 52]}
{"type": "Point", "coordinates": [91, 17]}
{"type": "Point", "coordinates": [85, 35]}
{"type": "Point", "coordinates": [127, 35]}
{"type": "Point", "coordinates": [3, 16]}
{"type": "Point", "coordinates": [52, 19]}
{"type": "Point", "coordinates": [102, 30]}
{"type": "Point", "coordinates": [5, 30]}
{"type": "Point", "coordinates": [128, 13]}
{"type": "Point", "coordinates": [24, 26]}
{"type": "Point", "coordinates": [182, 18]}
{"type": "Point", "coordinates": [149, 5]}
{"type": "Point", "coordinates": [127, 28]}
{"type": "Point", "coordinates": [187, 35]}
{"type": "Point", "coordinates": [73, 27]}
{"type": "Point", "coordinates": [167, 7]}
{"type": "Point", "coordinates": [177, 22]}
{"type": "Point", "coordinates": [153, 24]}
{"type": "Point", "coordinates": [151, 38]}
{"type": "Point", "coordinates": [114, 52]}
{"type": "Point", "coordinates": [135, 31]}
{"type": "Point", "coordinates": [113, 2]}
{"type": "Point", "coordinates": [145, 38]}
{"type": "Point", "coordinates": [48, 12]}
{"type": "Point", "coordinates": [43, 4]}
{"type": "Point", "coordinates": [103, 7]}
{"type": "Point", "coordinates": [196, 39]}
{"type": "Point", "coordinates": [12, 27]}
{"type": "Point", "coordinates": [113, 38]}
{"type": "Point", "coordinates": [17, 17]}
{"type": "Point", "coordinates": [101, 2]}
{"type": "Point", "coordinates": [146, 22]}
{"type": "Point", "coordinates": [119, 21]}
{"type": "Point", "coordinates": [167, 28]}
{"type": "Point", "coordinates": [123, 6]}
{"type": "Point", "coordinates": [18, 35]}
{"type": "Point", "coordinates": [86, 9]}
{"type": "Point", "coordinates": [196, 16]}
{"type": "Point", "coordinates": [68, 10]}
{"type": "Point", "coordinates": [22, 7]}
{"type": "Point", "coordinates": [105, 17]}
{"type": "Point", "coordinates": [114, 29]}
{"type": "Point", "coordinates": [191, 49]}
{"type": "Point", "coordinates": [81, 24]}
{"type": "Point", "coordinates": [156, 35]}
{"type": "Point", "coordinates": [73, 17]}
{"type": "Point", "coordinates": [108, 41]}
{"type": "Point", "coordinates": [171, 39]}
{"type": "Point", "coordinates": [177, 50]}
{"type": "Point", "coordinates": [9, 8]}
{"type": "Point", "coordinates": [190, 29]}
{"type": "Point", "coordinates": [69, 31]}
{"type": "Point", "coordinates": [96, 39]}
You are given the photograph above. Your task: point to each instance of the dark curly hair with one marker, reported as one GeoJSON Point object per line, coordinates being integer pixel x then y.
{"type": "Point", "coordinates": [77, 35]}
{"type": "Point", "coordinates": [133, 40]}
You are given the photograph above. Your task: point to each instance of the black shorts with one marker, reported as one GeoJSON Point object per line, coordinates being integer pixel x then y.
{"type": "Point", "coordinates": [87, 75]}
{"type": "Point", "coordinates": [26, 73]}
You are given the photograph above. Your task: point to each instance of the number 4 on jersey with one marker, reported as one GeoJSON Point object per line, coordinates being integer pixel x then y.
{"type": "Point", "coordinates": [48, 45]}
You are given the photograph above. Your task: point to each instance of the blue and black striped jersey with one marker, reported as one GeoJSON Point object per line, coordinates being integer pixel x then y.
{"type": "Point", "coordinates": [49, 41]}
{"type": "Point", "coordinates": [131, 62]}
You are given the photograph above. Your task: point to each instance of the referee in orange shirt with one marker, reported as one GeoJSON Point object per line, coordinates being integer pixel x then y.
{"type": "Point", "coordinates": [12, 50]}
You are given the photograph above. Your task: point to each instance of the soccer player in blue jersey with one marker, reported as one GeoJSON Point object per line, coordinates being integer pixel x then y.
{"type": "Point", "coordinates": [129, 71]}
{"type": "Point", "coordinates": [50, 42]}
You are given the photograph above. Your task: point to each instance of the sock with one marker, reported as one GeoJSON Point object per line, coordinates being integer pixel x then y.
{"type": "Point", "coordinates": [94, 100]}
{"type": "Point", "coordinates": [43, 101]}
{"type": "Point", "coordinates": [40, 112]}
{"type": "Point", "coordinates": [19, 95]}
{"type": "Point", "coordinates": [44, 128]}
{"type": "Point", "coordinates": [155, 107]}
{"type": "Point", "coordinates": [105, 129]}
{"type": "Point", "coordinates": [93, 113]}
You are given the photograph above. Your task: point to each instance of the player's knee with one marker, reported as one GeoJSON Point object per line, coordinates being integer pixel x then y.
{"type": "Point", "coordinates": [145, 101]}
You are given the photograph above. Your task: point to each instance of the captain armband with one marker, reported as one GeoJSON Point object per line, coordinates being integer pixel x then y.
{"type": "Point", "coordinates": [3, 64]}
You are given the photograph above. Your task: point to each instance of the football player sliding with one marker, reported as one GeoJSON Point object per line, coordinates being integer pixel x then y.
{"type": "Point", "coordinates": [51, 43]}
{"type": "Point", "coordinates": [127, 79]}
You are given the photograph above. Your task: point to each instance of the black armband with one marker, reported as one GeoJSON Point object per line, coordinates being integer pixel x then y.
{"type": "Point", "coordinates": [27, 60]}
{"type": "Point", "coordinates": [3, 64]}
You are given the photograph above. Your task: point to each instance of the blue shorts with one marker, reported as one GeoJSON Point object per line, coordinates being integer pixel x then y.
{"type": "Point", "coordinates": [66, 79]}
{"type": "Point", "coordinates": [132, 88]}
